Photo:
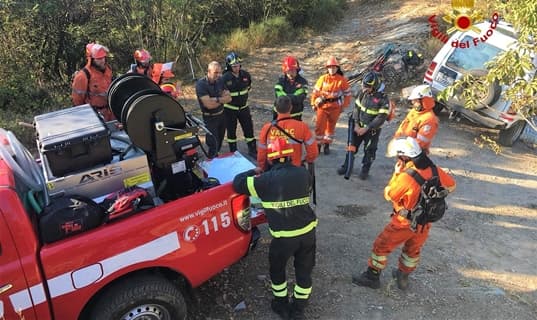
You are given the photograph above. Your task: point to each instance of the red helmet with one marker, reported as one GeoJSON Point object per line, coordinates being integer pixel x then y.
{"type": "Point", "coordinates": [142, 56]}
{"type": "Point", "coordinates": [332, 61]}
{"type": "Point", "coordinates": [279, 148]}
{"type": "Point", "coordinates": [96, 51]}
{"type": "Point", "coordinates": [290, 63]}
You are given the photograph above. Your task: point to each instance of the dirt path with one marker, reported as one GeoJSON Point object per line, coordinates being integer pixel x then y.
{"type": "Point", "coordinates": [479, 262]}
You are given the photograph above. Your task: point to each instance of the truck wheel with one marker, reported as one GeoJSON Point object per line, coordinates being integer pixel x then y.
{"type": "Point", "coordinates": [508, 136]}
{"type": "Point", "coordinates": [140, 298]}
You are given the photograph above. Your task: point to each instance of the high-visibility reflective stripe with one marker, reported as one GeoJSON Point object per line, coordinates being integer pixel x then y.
{"type": "Point", "coordinates": [283, 152]}
{"type": "Point", "coordinates": [285, 204]}
{"type": "Point", "coordinates": [231, 140]}
{"type": "Point", "coordinates": [279, 290]}
{"type": "Point", "coordinates": [301, 293]}
{"type": "Point", "coordinates": [373, 111]}
{"type": "Point", "coordinates": [378, 258]}
{"type": "Point", "coordinates": [300, 91]}
{"type": "Point", "coordinates": [378, 265]}
{"type": "Point", "coordinates": [232, 107]}
{"type": "Point", "coordinates": [408, 261]}
{"type": "Point", "coordinates": [279, 287]}
{"type": "Point", "coordinates": [251, 187]}
{"type": "Point", "coordinates": [249, 139]}
{"type": "Point", "coordinates": [296, 114]}
{"type": "Point", "coordinates": [378, 261]}
{"type": "Point", "coordinates": [294, 233]}
{"type": "Point", "coordinates": [239, 93]}
{"type": "Point", "coordinates": [310, 141]}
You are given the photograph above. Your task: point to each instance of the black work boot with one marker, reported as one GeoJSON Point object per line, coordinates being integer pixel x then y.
{"type": "Point", "coordinates": [326, 148]}
{"type": "Point", "coordinates": [280, 305]}
{"type": "Point", "coordinates": [252, 149]}
{"type": "Point", "coordinates": [369, 278]}
{"type": "Point", "coordinates": [401, 278]}
{"type": "Point", "coordinates": [364, 173]}
{"type": "Point", "coordinates": [297, 309]}
{"type": "Point", "coordinates": [232, 146]}
{"type": "Point", "coordinates": [341, 170]}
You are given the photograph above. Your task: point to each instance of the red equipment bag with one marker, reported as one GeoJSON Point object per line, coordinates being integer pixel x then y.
{"type": "Point", "coordinates": [125, 202]}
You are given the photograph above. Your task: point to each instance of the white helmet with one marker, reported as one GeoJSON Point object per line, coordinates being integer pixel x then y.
{"type": "Point", "coordinates": [420, 91]}
{"type": "Point", "coordinates": [404, 147]}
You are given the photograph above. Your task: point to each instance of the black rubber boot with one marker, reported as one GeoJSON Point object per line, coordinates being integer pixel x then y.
{"type": "Point", "coordinates": [401, 278]}
{"type": "Point", "coordinates": [326, 148]}
{"type": "Point", "coordinates": [341, 170]}
{"type": "Point", "coordinates": [297, 309]}
{"type": "Point", "coordinates": [280, 305]}
{"type": "Point", "coordinates": [369, 278]}
{"type": "Point", "coordinates": [252, 149]}
{"type": "Point", "coordinates": [232, 146]}
{"type": "Point", "coordinates": [364, 173]}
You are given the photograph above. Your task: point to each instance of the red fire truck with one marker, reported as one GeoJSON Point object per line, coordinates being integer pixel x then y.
{"type": "Point", "coordinates": [136, 267]}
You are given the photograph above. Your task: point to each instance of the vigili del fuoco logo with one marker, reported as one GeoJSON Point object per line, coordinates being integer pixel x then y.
{"type": "Point", "coordinates": [463, 17]}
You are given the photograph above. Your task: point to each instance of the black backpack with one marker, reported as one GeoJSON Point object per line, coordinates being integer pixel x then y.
{"type": "Point", "coordinates": [432, 204]}
{"type": "Point", "coordinates": [67, 216]}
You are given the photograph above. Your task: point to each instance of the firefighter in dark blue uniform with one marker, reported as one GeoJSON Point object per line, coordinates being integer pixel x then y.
{"type": "Point", "coordinates": [372, 109]}
{"type": "Point", "coordinates": [212, 95]}
{"type": "Point", "coordinates": [284, 191]}
{"type": "Point", "coordinates": [238, 82]}
{"type": "Point", "coordinates": [293, 85]}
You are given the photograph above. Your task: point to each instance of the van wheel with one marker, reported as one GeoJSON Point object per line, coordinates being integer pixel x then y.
{"type": "Point", "coordinates": [508, 136]}
{"type": "Point", "coordinates": [492, 94]}
{"type": "Point", "coordinates": [492, 91]}
{"type": "Point", "coordinates": [144, 297]}
{"type": "Point", "coordinates": [438, 107]}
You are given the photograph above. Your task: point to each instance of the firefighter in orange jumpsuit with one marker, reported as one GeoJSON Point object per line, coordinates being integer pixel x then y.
{"type": "Point", "coordinates": [420, 123]}
{"type": "Point", "coordinates": [143, 65]}
{"type": "Point", "coordinates": [404, 192]}
{"type": "Point", "coordinates": [286, 126]}
{"type": "Point", "coordinates": [330, 96]}
{"type": "Point", "coordinates": [90, 84]}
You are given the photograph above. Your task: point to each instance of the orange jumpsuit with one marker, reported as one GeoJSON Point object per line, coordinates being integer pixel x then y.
{"type": "Point", "coordinates": [93, 90]}
{"type": "Point", "coordinates": [403, 191]}
{"type": "Point", "coordinates": [337, 94]}
{"type": "Point", "coordinates": [421, 125]}
{"type": "Point", "coordinates": [298, 129]}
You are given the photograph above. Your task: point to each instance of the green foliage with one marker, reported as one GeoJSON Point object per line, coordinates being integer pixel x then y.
{"type": "Point", "coordinates": [268, 33]}
{"type": "Point", "coordinates": [43, 42]}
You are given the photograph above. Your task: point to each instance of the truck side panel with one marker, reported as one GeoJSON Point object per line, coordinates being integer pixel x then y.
{"type": "Point", "coordinates": [22, 294]}
{"type": "Point", "coordinates": [195, 236]}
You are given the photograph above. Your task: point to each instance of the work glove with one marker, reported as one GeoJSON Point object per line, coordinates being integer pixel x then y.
{"type": "Point", "coordinates": [319, 101]}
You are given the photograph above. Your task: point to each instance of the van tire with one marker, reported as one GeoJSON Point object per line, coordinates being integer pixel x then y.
{"type": "Point", "coordinates": [493, 93]}
{"type": "Point", "coordinates": [141, 295]}
{"type": "Point", "coordinates": [507, 137]}
{"type": "Point", "coordinates": [493, 89]}
{"type": "Point", "coordinates": [438, 107]}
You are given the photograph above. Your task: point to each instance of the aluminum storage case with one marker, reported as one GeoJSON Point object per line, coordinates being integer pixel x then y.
{"type": "Point", "coordinates": [73, 139]}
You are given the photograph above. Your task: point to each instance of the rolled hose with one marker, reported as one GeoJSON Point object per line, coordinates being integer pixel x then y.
{"type": "Point", "coordinates": [25, 167]}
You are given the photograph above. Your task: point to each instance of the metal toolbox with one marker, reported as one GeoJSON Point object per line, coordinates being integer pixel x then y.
{"type": "Point", "coordinates": [72, 139]}
{"type": "Point", "coordinates": [99, 181]}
